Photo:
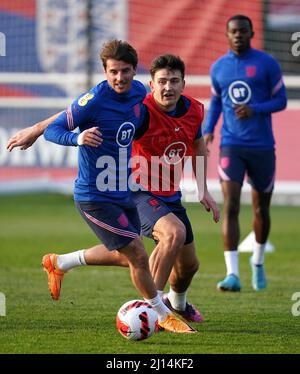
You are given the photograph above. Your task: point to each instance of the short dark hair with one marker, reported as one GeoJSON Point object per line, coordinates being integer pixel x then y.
{"type": "Point", "coordinates": [118, 50]}
{"type": "Point", "coordinates": [240, 17]}
{"type": "Point", "coordinates": [169, 62]}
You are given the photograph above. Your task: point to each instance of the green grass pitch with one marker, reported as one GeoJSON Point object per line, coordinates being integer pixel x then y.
{"type": "Point", "coordinates": [83, 321]}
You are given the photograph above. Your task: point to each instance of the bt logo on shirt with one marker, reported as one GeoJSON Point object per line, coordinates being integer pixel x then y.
{"type": "Point", "coordinates": [239, 92]}
{"type": "Point", "coordinates": [125, 134]}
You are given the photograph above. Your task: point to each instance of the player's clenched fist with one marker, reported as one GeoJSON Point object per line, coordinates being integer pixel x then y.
{"type": "Point", "coordinates": [91, 137]}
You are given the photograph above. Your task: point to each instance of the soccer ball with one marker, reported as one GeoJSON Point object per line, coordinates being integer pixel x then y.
{"type": "Point", "coordinates": [136, 320]}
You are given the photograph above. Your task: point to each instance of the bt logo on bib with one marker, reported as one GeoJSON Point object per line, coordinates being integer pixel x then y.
{"type": "Point", "coordinates": [125, 134]}
{"type": "Point", "coordinates": [239, 92]}
{"type": "Point", "coordinates": [174, 153]}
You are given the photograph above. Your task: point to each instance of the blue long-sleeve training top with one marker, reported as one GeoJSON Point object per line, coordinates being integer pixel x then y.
{"type": "Point", "coordinates": [253, 78]}
{"type": "Point", "coordinates": [102, 170]}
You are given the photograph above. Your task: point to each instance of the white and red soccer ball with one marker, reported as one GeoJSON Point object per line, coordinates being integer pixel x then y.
{"type": "Point", "coordinates": [136, 320]}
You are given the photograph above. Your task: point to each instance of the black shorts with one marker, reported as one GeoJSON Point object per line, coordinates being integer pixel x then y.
{"type": "Point", "coordinates": [151, 208]}
{"type": "Point", "coordinates": [259, 165]}
{"type": "Point", "coordinates": [116, 225]}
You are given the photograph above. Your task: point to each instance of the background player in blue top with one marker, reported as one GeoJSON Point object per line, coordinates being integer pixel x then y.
{"type": "Point", "coordinates": [247, 87]}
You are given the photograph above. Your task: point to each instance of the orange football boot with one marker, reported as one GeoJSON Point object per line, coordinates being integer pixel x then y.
{"type": "Point", "coordinates": [174, 324]}
{"type": "Point", "coordinates": [55, 276]}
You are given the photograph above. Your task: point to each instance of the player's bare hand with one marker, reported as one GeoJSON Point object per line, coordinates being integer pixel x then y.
{"type": "Point", "coordinates": [23, 139]}
{"type": "Point", "coordinates": [243, 111]}
{"type": "Point", "coordinates": [91, 137]}
{"type": "Point", "coordinates": [208, 139]}
{"type": "Point", "coordinates": [210, 204]}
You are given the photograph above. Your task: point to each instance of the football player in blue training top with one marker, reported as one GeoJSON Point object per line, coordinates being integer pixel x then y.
{"type": "Point", "coordinates": [247, 87]}
{"type": "Point", "coordinates": [176, 120]}
{"type": "Point", "coordinates": [101, 192]}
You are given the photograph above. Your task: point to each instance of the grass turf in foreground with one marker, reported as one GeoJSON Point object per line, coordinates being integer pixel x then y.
{"type": "Point", "coordinates": [83, 321]}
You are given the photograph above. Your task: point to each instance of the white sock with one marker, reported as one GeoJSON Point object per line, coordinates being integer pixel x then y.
{"type": "Point", "coordinates": [258, 253]}
{"type": "Point", "coordinates": [177, 300]}
{"type": "Point", "coordinates": [232, 262]}
{"type": "Point", "coordinates": [71, 260]}
{"type": "Point", "coordinates": [160, 293]}
{"type": "Point", "coordinates": [160, 308]}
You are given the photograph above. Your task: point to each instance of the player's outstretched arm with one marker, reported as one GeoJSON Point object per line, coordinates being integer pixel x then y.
{"type": "Point", "coordinates": [208, 139]}
{"type": "Point", "coordinates": [209, 203]}
{"type": "Point", "coordinates": [26, 137]}
{"type": "Point", "coordinates": [199, 150]}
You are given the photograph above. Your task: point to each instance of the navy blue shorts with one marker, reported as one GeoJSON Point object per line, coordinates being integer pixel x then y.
{"type": "Point", "coordinates": [116, 225]}
{"type": "Point", "coordinates": [235, 162]}
{"type": "Point", "coordinates": [151, 208]}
